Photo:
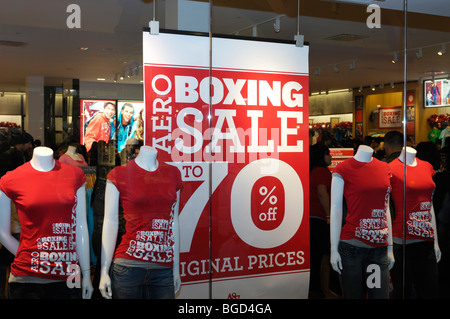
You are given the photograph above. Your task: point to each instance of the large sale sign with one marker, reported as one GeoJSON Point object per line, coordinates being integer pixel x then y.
{"type": "Point", "coordinates": [390, 117]}
{"type": "Point", "coordinates": [232, 115]}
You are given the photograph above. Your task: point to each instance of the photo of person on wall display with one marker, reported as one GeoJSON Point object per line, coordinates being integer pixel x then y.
{"type": "Point", "coordinates": [126, 126]}
{"type": "Point", "coordinates": [99, 125]}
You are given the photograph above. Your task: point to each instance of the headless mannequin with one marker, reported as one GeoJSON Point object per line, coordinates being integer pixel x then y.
{"type": "Point", "coordinates": [72, 157]}
{"type": "Point", "coordinates": [363, 154]}
{"type": "Point", "coordinates": [410, 154]}
{"type": "Point", "coordinates": [72, 152]}
{"type": "Point", "coordinates": [147, 160]}
{"type": "Point", "coordinates": [43, 161]}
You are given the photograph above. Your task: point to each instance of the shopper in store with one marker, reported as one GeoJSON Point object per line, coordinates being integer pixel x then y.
{"type": "Point", "coordinates": [320, 184]}
{"type": "Point", "coordinates": [21, 146]}
{"type": "Point", "coordinates": [145, 265]}
{"type": "Point", "coordinates": [441, 205]}
{"type": "Point", "coordinates": [54, 241]}
{"type": "Point", "coordinates": [11, 158]}
{"type": "Point", "coordinates": [414, 225]}
{"type": "Point", "coordinates": [428, 152]}
{"type": "Point", "coordinates": [362, 244]}
{"type": "Point", "coordinates": [393, 143]}
{"type": "Point", "coordinates": [99, 127]}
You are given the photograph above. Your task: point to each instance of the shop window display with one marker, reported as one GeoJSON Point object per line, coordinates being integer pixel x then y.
{"type": "Point", "coordinates": [359, 52]}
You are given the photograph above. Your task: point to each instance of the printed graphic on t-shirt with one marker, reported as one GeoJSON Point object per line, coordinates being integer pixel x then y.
{"type": "Point", "coordinates": [375, 229]}
{"type": "Point", "coordinates": [419, 223]}
{"type": "Point", "coordinates": [155, 245]}
{"type": "Point", "coordinates": [54, 254]}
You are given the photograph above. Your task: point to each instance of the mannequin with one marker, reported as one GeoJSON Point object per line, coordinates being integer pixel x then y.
{"type": "Point", "coordinates": [420, 237]}
{"type": "Point", "coordinates": [363, 166]}
{"type": "Point", "coordinates": [147, 166]}
{"type": "Point", "coordinates": [42, 165]}
{"type": "Point", "coordinates": [72, 157]}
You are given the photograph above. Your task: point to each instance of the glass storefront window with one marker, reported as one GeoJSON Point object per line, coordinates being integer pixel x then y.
{"type": "Point", "coordinates": [261, 106]}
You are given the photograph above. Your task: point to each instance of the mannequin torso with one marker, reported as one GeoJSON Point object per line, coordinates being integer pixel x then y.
{"type": "Point", "coordinates": [419, 188]}
{"type": "Point", "coordinates": [28, 187]}
{"type": "Point", "coordinates": [136, 200]}
{"type": "Point", "coordinates": [362, 156]}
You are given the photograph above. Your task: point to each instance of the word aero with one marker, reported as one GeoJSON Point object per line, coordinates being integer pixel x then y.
{"type": "Point", "coordinates": [193, 136]}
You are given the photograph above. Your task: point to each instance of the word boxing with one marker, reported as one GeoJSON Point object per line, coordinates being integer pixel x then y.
{"type": "Point", "coordinates": [185, 92]}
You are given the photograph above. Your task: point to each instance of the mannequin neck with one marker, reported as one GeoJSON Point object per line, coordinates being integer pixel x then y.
{"type": "Point", "coordinates": [71, 150]}
{"type": "Point", "coordinates": [146, 159]}
{"type": "Point", "coordinates": [42, 159]}
{"type": "Point", "coordinates": [410, 156]}
{"type": "Point", "coordinates": [364, 154]}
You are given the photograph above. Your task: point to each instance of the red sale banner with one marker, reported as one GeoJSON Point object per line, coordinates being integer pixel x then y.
{"type": "Point", "coordinates": [390, 117]}
{"type": "Point", "coordinates": [238, 132]}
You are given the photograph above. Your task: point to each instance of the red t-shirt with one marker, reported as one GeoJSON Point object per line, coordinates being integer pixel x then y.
{"type": "Point", "coordinates": [46, 205]}
{"type": "Point", "coordinates": [98, 129]}
{"type": "Point", "coordinates": [366, 192]}
{"type": "Point", "coordinates": [419, 196]}
{"type": "Point", "coordinates": [318, 176]}
{"type": "Point", "coordinates": [148, 200]}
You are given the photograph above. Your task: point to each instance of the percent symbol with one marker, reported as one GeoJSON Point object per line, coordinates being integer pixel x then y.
{"type": "Point", "coordinates": [272, 199]}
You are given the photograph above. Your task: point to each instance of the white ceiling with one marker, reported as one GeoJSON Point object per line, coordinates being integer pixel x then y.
{"type": "Point", "coordinates": [112, 32]}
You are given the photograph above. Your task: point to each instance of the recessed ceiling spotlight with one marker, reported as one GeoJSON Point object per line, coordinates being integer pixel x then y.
{"type": "Point", "coordinates": [395, 58]}
{"type": "Point", "coordinates": [101, 79]}
{"type": "Point", "coordinates": [419, 53]}
{"type": "Point", "coordinates": [442, 50]}
{"type": "Point", "coordinates": [84, 48]}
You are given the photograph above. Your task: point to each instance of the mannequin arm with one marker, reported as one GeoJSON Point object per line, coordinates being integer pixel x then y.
{"type": "Point", "coordinates": [176, 246]}
{"type": "Point", "coordinates": [109, 237]}
{"type": "Point", "coordinates": [337, 195]}
{"type": "Point", "coordinates": [6, 238]}
{"type": "Point", "coordinates": [83, 243]}
{"type": "Point", "coordinates": [437, 250]}
{"type": "Point", "coordinates": [390, 250]}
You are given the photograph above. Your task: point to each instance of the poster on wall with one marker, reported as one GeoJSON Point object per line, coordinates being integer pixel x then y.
{"type": "Point", "coordinates": [111, 120]}
{"type": "Point", "coordinates": [436, 92]}
{"type": "Point", "coordinates": [390, 117]}
{"type": "Point", "coordinates": [129, 123]}
{"type": "Point", "coordinates": [97, 118]}
{"type": "Point", "coordinates": [237, 129]}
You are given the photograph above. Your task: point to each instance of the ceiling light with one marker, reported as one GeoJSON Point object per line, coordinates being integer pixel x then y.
{"type": "Point", "coordinates": [372, 87]}
{"type": "Point", "coordinates": [101, 79]}
{"type": "Point", "coordinates": [395, 58]}
{"type": "Point", "coordinates": [419, 53]}
{"type": "Point", "coordinates": [442, 50]}
{"type": "Point", "coordinates": [84, 48]}
{"type": "Point", "coordinates": [277, 25]}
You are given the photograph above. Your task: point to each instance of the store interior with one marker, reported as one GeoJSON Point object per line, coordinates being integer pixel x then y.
{"type": "Point", "coordinates": [365, 57]}
{"type": "Point", "coordinates": [352, 50]}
